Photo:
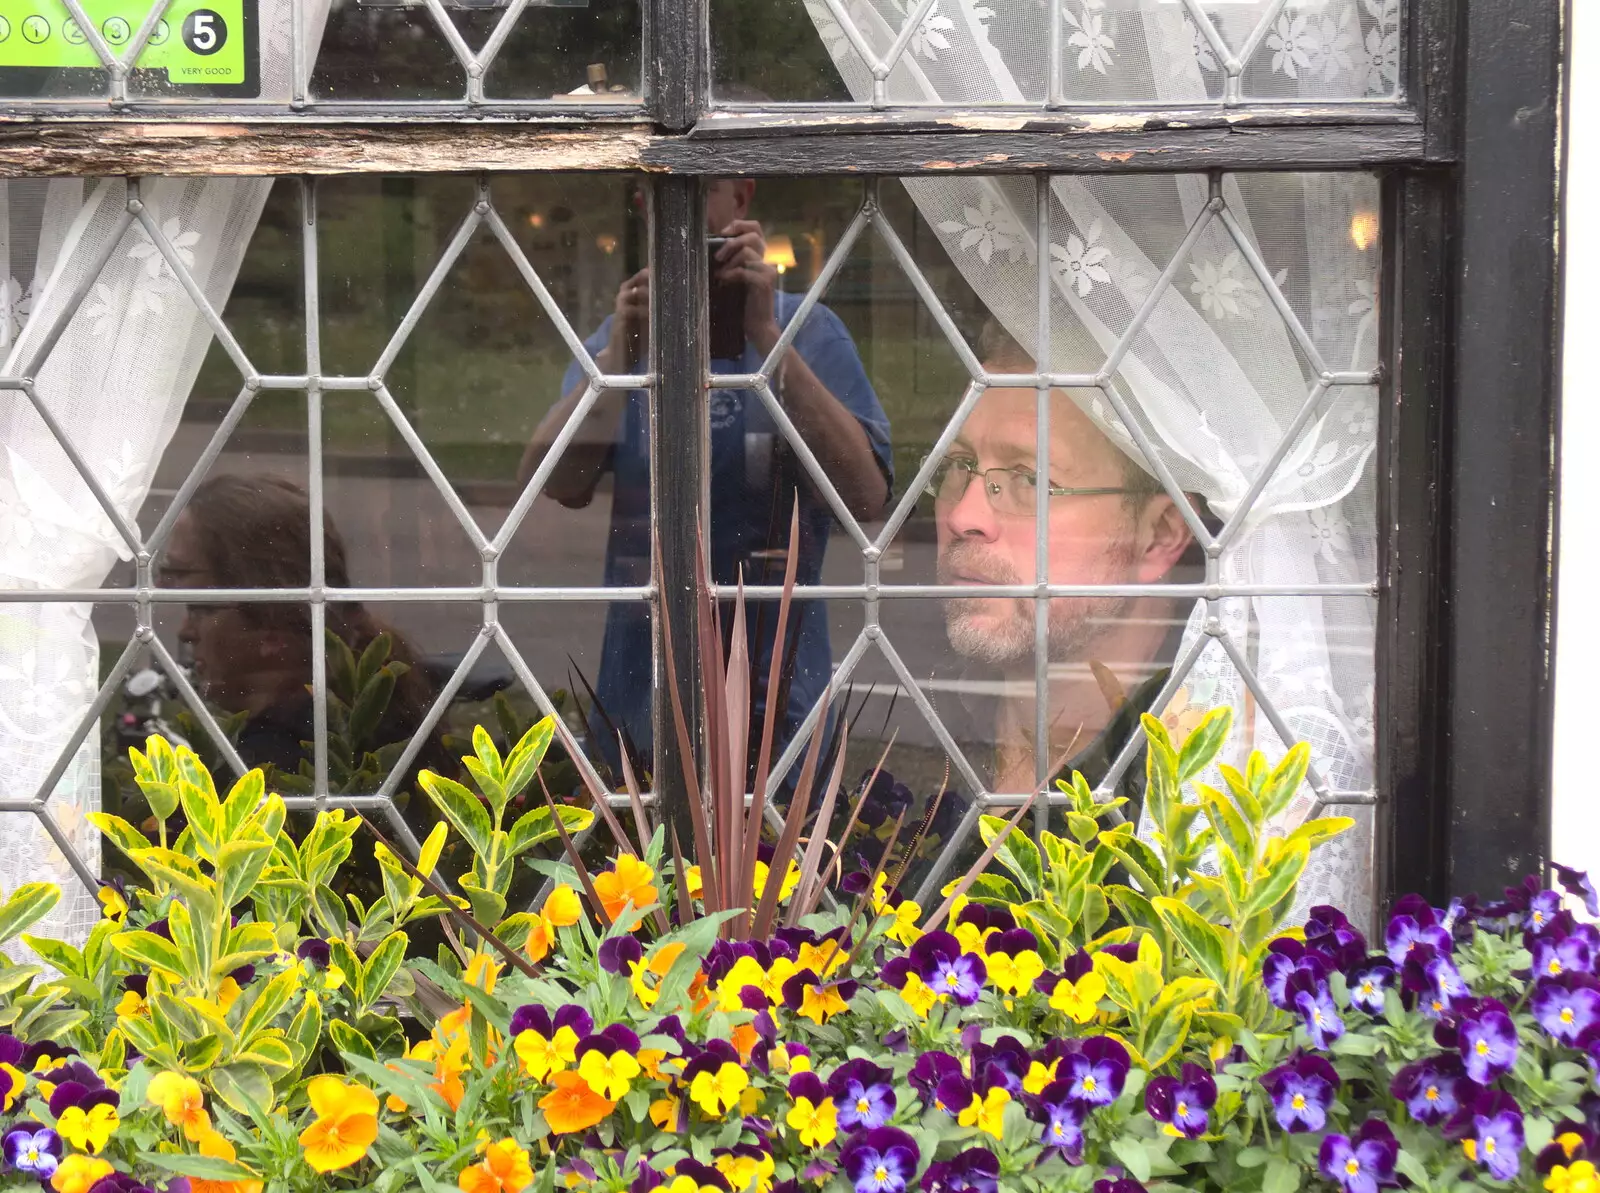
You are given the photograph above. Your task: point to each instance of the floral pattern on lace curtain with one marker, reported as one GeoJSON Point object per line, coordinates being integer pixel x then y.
{"type": "Point", "coordinates": [116, 381]}
{"type": "Point", "coordinates": [1131, 51]}
{"type": "Point", "coordinates": [1215, 376]}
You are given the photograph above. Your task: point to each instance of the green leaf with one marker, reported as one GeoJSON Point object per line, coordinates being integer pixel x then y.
{"type": "Point", "coordinates": [1161, 771]}
{"type": "Point", "coordinates": [1200, 939]}
{"type": "Point", "coordinates": [527, 755]}
{"type": "Point", "coordinates": [1225, 818]}
{"type": "Point", "coordinates": [1130, 1149]}
{"type": "Point", "coordinates": [122, 834]}
{"type": "Point", "coordinates": [306, 1029]}
{"type": "Point", "coordinates": [57, 953]}
{"type": "Point", "coordinates": [1285, 780]}
{"type": "Point", "coordinates": [380, 968]}
{"type": "Point", "coordinates": [1315, 832]}
{"type": "Point", "coordinates": [206, 1168]}
{"type": "Point", "coordinates": [371, 702]}
{"type": "Point", "coordinates": [535, 827]}
{"type": "Point", "coordinates": [461, 808]}
{"type": "Point", "coordinates": [348, 1039]}
{"type": "Point", "coordinates": [273, 996]}
{"type": "Point", "coordinates": [1202, 744]}
{"type": "Point", "coordinates": [1137, 858]}
{"type": "Point", "coordinates": [1171, 1029]}
{"type": "Point", "coordinates": [27, 905]}
{"type": "Point", "coordinates": [1249, 806]}
{"type": "Point", "coordinates": [241, 1084]}
{"type": "Point", "coordinates": [271, 1051]}
{"type": "Point", "coordinates": [1019, 854]}
{"type": "Point", "coordinates": [1279, 879]}
{"type": "Point", "coordinates": [1282, 1176]}
{"type": "Point", "coordinates": [149, 951]}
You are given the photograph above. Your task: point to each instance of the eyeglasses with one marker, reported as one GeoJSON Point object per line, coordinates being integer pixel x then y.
{"type": "Point", "coordinates": [1011, 491]}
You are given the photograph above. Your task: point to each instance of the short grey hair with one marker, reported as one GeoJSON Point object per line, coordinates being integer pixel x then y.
{"type": "Point", "coordinates": [997, 347]}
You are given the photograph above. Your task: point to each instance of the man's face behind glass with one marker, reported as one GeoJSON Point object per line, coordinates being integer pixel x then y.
{"type": "Point", "coordinates": [1093, 539]}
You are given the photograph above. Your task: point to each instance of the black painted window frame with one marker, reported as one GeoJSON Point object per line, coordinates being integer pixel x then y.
{"type": "Point", "coordinates": [1470, 343]}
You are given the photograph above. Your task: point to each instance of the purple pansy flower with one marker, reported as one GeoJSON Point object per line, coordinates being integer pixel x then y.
{"type": "Point", "coordinates": [1182, 1102]}
{"type": "Point", "coordinates": [618, 953]}
{"type": "Point", "coordinates": [1364, 1164]}
{"type": "Point", "coordinates": [1414, 922]}
{"type": "Point", "coordinates": [1319, 1015]}
{"type": "Point", "coordinates": [1368, 984]}
{"type": "Point", "coordinates": [1330, 931]}
{"type": "Point", "coordinates": [1095, 1071]}
{"type": "Point", "coordinates": [1495, 1137]}
{"type": "Point", "coordinates": [976, 1170]}
{"type": "Point", "coordinates": [1302, 1092]}
{"type": "Point", "coordinates": [862, 1094]}
{"type": "Point", "coordinates": [1567, 1007]}
{"type": "Point", "coordinates": [32, 1149]}
{"type": "Point", "coordinates": [962, 978]}
{"type": "Point", "coordinates": [1488, 1042]}
{"type": "Point", "coordinates": [882, 1160]}
{"type": "Point", "coordinates": [119, 1182]}
{"type": "Point", "coordinates": [1578, 882]}
{"type": "Point", "coordinates": [1446, 988]}
{"type": "Point", "coordinates": [1289, 966]}
{"type": "Point", "coordinates": [1557, 953]}
{"type": "Point", "coordinates": [1063, 1120]}
{"type": "Point", "coordinates": [1434, 1089]}
{"type": "Point", "coordinates": [930, 1069]}
{"type": "Point", "coordinates": [1118, 1184]}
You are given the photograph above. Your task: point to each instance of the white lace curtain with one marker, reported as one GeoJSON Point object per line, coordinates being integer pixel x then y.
{"type": "Point", "coordinates": [1215, 377]}
{"type": "Point", "coordinates": [115, 382]}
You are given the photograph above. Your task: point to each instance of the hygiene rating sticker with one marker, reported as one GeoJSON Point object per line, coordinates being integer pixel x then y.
{"type": "Point", "coordinates": [195, 42]}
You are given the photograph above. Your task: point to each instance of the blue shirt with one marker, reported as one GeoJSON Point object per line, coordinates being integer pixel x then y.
{"type": "Point", "coordinates": [753, 482]}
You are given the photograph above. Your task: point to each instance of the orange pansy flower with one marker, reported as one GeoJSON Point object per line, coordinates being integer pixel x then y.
{"type": "Point", "coordinates": [572, 1105]}
{"type": "Point", "coordinates": [503, 1169]}
{"type": "Point", "coordinates": [631, 881]}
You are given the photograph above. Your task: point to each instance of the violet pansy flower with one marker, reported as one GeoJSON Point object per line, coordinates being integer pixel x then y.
{"type": "Point", "coordinates": [1302, 1092]}
{"type": "Point", "coordinates": [1182, 1102]}
{"type": "Point", "coordinates": [1364, 1164]}
{"type": "Point", "coordinates": [1567, 1007]}
{"type": "Point", "coordinates": [882, 1160]}
{"type": "Point", "coordinates": [32, 1149]}
{"type": "Point", "coordinates": [1488, 1043]}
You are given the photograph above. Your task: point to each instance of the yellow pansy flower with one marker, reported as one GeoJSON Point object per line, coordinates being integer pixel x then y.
{"type": "Point", "coordinates": [985, 1113]}
{"type": "Point", "coordinates": [1080, 1000]}
{"type": "Point", "coordinates": [182, 1101]}
{"type": "Point", "coordinates": [817, 1125]}
{"type": "Point", "coordinates": [77, 1174]}
{"type": "Point", "coordinates": [88, 1130]}
{"type": "Point", "coordinates": [1015, 974]}
{"type": "Point", "coordinates": [717, 1093]}
{"type": "Point", "coordinates": [345, 1126]}
{"type": "Point", "coordinates": [609, 1076]}
{"type": "Point", "coordinates": [562, 907]}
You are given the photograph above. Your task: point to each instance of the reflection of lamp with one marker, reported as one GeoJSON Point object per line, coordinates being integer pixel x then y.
{"type": "Point", "coordinates": [606, 242]}
{"type": "Point", "coordinates": [1364, 229]}
{"type": "Point", "coordinates": [780, 255]}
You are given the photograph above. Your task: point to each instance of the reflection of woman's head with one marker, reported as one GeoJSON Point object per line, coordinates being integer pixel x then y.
{"type": "Point", "coordinates": [254, 532]}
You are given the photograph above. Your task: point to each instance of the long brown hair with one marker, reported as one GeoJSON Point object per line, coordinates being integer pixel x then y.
{"type": "Point", "coordinates": [254, 531]}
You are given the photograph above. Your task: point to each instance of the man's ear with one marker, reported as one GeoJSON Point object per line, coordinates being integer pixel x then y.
{"type": "Point", "coordinates": [1163, 536]}
{"type": "Point", "coordinates": [744, 190]}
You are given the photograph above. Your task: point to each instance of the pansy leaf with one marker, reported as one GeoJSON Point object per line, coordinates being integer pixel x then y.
{"type": "Point", "coordinates": [206, 1168]}
{"type": "Point", "coordinates": [1130, 1150]}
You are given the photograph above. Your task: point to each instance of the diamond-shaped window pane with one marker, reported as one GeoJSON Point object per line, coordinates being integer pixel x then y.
{"type": "Point", "coordinates": [399, 49]}
{"type": "Point", "coordinates": [971, 52]}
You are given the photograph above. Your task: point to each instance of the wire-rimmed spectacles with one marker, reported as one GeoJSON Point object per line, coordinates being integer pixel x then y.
{"type": "Point", "coordinates": [1011, 491]}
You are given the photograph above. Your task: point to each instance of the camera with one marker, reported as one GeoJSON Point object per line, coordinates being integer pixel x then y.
{"type": "Point", "coordinates": [725, 308]}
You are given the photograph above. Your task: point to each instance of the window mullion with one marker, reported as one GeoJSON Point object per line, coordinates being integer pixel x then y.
{"type": "Point", "coordinates": [678, 445]}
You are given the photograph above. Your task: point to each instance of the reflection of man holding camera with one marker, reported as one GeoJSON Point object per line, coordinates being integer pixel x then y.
{"type": "Point", "coordinates": [754, 475]}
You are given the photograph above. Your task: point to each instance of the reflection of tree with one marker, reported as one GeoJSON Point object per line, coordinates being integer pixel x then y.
{"type": "Point", "coordinates": [392, 52]}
